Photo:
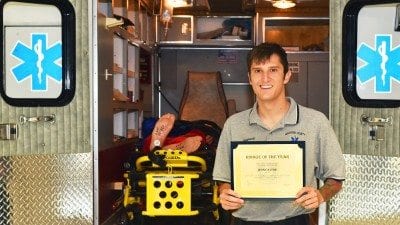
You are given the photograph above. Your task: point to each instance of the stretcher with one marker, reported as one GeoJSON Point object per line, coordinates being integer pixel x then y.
{"type": "Point", "coordinates": [170, 183]}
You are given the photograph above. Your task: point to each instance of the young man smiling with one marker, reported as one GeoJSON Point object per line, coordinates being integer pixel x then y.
{"type": "Point", "coordinates": [276, 117]}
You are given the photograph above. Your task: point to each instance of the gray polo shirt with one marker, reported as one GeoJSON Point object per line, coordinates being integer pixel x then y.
{"type": "Point", "coordinates": [323, 158]}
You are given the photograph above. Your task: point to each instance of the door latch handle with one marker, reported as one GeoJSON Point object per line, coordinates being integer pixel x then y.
{"type": "Point", "coordinates": [107, 74]}
{"type": "Point", "coordinates": [376, 126]}
{"type": "Point", "coordinates": [24, 119]}
{"type": "Point", "coordinates": [8, 131]}
{"type": "Point", "coordinates": [376, 120]}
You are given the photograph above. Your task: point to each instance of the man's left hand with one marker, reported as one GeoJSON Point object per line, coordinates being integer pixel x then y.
{"type": "Point", "coordinates": [309, 198]}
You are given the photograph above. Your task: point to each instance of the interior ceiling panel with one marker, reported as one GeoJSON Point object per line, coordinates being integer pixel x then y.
{"type": "Point", "coordinates": [225, 6]}
{"type": "Point", "coordinates": [236, 6]}
{"type": "Point", "coordinates": [299, 3]}
{"type": "Point", "coordinates": [246, 7]}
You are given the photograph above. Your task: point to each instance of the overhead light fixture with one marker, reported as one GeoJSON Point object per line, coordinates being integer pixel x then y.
{"type": "Point", "coordinates": [283, 4]}
{"type": "Point", "coordinates": [166, 12]}
{"type": "Point", "coordinates": [181, 3]}
{"type": "Point", "coordinates": [193, 7]}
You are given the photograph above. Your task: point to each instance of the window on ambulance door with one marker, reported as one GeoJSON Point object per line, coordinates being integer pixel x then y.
{"type": "Point", "coordinates": [371, 53]}
{"type": "Point", "coordinates": [38, 53]}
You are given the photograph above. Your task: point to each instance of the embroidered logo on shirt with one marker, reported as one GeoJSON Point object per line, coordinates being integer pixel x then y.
{"type": "Point", "coordinates": [294, 139]}
{"type": "Point", "coordinates": [294, 135]}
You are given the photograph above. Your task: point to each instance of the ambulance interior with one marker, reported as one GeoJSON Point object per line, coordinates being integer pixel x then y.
{"type": "Point", "coordinates": [84, 83]}
{"type": "Point", "coordinates": [199, 64]}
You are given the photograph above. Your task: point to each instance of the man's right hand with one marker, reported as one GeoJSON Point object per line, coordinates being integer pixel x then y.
{"type": "Point", "coordinates": [229, 199]}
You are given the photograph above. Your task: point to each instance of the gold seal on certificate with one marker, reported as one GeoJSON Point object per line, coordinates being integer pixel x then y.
{"type": "Point", "coordinates": [268, 169]}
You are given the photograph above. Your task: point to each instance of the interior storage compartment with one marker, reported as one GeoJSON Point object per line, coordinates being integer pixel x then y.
{"type": "Point", "coordinates": [221, 29]}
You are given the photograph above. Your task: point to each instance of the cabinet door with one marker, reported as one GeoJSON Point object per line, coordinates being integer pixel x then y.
{"type": "Point", "coordinates": [105, 84]}
{"type": "Point", "coordinates": [318, 83]}
{"type": "Point", "coordinates": [309, 84]}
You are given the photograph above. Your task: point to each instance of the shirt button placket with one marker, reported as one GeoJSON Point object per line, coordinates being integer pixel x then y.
{"type": "Point", "coordinates": [269, 135]}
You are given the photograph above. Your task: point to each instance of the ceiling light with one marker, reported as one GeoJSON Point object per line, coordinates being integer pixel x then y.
{"type": "Point", "coordinates": [180, 3]}
{"type": "Point", "coordinates": [283, 4]}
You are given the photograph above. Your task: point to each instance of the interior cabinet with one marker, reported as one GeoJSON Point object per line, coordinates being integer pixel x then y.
{"type": "Point", "coordinates": [127, 109]}
{"type": "Point", "coordinates": [120, 108]}
{"type": "Point", "coordinates": [224, 30]}
{"type": "Point", "coordinates": [296, 34]}
{"type": "Point", "coordinates": [105, 84]}
{"type": "Point", "coordinates": [309, 84]}
{"type": "Point", "coordinates": [180, 31]}
{"type": "Point", "coordinates": [208, 30]}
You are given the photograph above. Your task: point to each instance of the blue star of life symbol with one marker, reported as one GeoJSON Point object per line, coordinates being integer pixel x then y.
{"type": "Point", "coordinates": [381, 63]}
{"type": "Point", "coordinates": [294, 139]}
{"type": "Point", "coordinates": [38, 62]}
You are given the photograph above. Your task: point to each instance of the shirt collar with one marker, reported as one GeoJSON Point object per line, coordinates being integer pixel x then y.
{"type": "Point", "coordinates": [291, 117]}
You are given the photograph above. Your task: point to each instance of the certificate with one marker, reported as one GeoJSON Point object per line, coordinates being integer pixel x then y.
{"type": "Point", "coordinates": [268, 169]}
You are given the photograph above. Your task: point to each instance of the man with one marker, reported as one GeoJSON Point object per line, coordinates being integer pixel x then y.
{"type": "Point", "coordinates": [276, 117]}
